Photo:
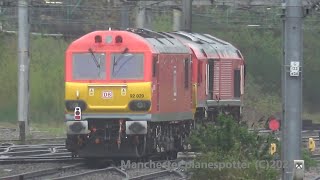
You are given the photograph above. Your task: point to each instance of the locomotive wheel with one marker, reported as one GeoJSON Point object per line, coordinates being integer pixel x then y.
{"type": "Point", "coordinates": [140, 147]}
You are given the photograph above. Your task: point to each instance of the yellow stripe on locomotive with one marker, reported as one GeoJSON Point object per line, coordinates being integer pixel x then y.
{"type": "Point", "coordinates": [109, 98]}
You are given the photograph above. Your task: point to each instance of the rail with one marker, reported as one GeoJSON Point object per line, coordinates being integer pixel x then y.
{"type": "Point", "coordinates": [76, 176]}
{"type": "Point", "coordinates": [44, 172]}
{"type": "Point", "coordinates": [158, 174]}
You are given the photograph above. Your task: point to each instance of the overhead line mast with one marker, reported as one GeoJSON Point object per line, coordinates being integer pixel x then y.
{"type": "Point", "coordinates": [23, 68]}
{"type": "Point", "coordinates": [292, 75]}
{"type": "Point", "coordinates": [187, 15]}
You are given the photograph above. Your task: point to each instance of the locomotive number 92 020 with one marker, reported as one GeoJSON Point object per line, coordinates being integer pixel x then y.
{"type": "Point", "coordinates": [136, 95]}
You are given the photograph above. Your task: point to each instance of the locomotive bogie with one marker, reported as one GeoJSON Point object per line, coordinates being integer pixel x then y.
{"type": "Point", "coordinates": [111, 139]}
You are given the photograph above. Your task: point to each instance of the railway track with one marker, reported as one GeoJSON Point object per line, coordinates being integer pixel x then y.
{"type": "Point", "coordinates": [69, 172]}
{"type": "Point", "coordinates": [316, 157]}
{"type": "Point", "coordinates": [37, 174]}
{"type": "Point", "coordinates": [34, 140]}
{"type": "Point", "coordinates": [10, 153]}
{"type": "Point", "coordinates": [37, 153]}
{"type": "Point", "coordinates": [164, 173]}
{"type": "Point", "coordinates": [79, 171]}
{"type": "Point", "coordinates": [47, 153]}
{"type": "Point", "coordinates": [314, 133]}
{"type": "Point", "coordinates": [102, 172]}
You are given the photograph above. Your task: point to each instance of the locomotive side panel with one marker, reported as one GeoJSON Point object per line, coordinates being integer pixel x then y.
{"type": "Point", "coordinates": [223, 79]}
{"type": "Point", "coordinates": [174, 88]}
{"type": "Point", "coordinates": [237, 79]}
{"type": "Point", "coordinates": [200, 82]}
{"type": "Point", "coordinates": [155, 101]}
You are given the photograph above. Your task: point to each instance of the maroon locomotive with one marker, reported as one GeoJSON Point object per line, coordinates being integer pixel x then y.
{"type": "Point", "coordinates": [218, 75]}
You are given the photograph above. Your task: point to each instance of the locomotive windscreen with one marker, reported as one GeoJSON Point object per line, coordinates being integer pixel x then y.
{"type": "Point", "coordinates": [127, 66]}
{"type": "Point", "coordinates": [89, 66]}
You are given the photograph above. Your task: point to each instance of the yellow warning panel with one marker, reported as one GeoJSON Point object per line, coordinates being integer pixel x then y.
{"type": "Point", "coordinates": [123, 91]}
{"type": "Point", "coordinates": [91, 92]}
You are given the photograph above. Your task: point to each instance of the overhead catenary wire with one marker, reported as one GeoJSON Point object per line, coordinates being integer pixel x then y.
{"type": "Point", "coordinates": [52, 16]}
{"type": "Point", "coordinates": [234, 3]}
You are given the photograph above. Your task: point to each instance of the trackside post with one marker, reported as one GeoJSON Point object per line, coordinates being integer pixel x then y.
{"type": "Point", "coordinates": [23, 69]}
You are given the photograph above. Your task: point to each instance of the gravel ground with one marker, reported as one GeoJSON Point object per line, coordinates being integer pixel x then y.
{"type": "Point", "coordinates": [311, 175]}
{"type": "Point", "coordinates": [65, 173]}
{"type": "Point", "coordinates": [8, 133]}
{"type": "Point", "coordinates": [11, 134]}
{"type": "Point", "coordinates": [107, 175]}
{"type": "Point", "coordinates": [139, 172]}
{"type": "Point", "coordinates": [169, 177]}
{"type": "Point", "coordinates": [7, 170]}
{"type": "Point", "coordinates": [14, 169]}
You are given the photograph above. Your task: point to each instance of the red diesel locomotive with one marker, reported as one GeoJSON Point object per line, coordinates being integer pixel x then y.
{"type": "Point", "coordinates": [137, 92]}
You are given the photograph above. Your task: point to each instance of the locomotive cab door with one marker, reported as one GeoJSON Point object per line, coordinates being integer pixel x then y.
{"type": "Point", "coordinates": [210, 79]}
{"type": "Point", "coordinates": [155, 82]}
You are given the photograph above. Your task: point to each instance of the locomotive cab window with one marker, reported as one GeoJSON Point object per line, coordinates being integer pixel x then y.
{"type": "Point", "coordinates": [186, 73]}
{"type": "Point", "coordinates": [88, 66]}
{"type": "Point", "coordinates": [127, 66]}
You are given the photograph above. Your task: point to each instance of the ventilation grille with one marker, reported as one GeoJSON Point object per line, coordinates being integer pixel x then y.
{"type": "Point", "coordinates": [223, 82]}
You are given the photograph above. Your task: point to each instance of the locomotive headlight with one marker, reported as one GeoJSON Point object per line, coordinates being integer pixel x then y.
{"type": "Point", "coordinates": [72, 104]}
{"type": "Point", "coordinates": [76, 127]}
{"type": "Point", "coordinates": [139, 105]}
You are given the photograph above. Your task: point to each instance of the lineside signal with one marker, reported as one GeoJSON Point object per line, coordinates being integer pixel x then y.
{"type": "Point", "coordinates": [274, 124]}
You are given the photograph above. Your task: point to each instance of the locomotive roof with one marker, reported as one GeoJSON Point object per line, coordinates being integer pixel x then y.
{"type": "Point", "coordinates": [203, 45]}
{"type": "Point", "coordinates": [161, 42]}
{"type": "Point", "coordinates": [198, 47]}
{"type": "Point", "coordinates": [157, 42]}
{"type": "Point", "coordinates": [212, 46]}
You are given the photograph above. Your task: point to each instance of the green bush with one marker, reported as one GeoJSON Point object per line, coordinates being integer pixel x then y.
{"type": "Point", "coordinates": [308, 161]}
{"type": "Point", "coordinates": [227, 141]}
